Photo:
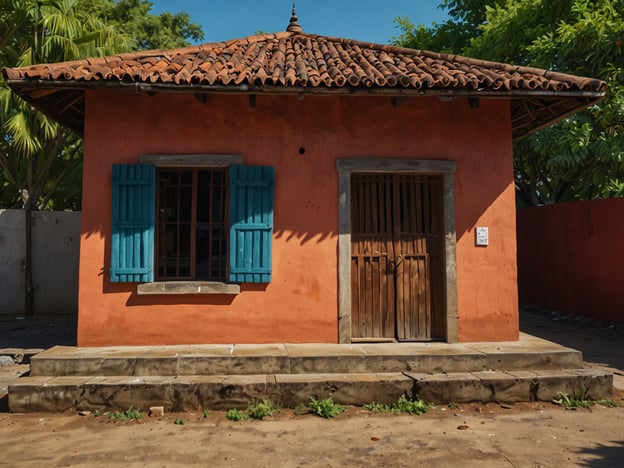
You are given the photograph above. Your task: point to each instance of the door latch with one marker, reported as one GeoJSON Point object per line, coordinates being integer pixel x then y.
{"type": "Point", "coordinates": [393, 264]}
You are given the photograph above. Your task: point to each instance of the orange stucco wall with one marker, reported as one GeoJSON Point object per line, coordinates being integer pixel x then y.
{"type": "Point", "coordinates": [570, 257]}
{"type": "Point", "coordinates": [301, 303]}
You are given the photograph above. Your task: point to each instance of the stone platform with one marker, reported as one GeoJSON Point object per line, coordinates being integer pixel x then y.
{"type": "Point", "coordinates": [192, 377]}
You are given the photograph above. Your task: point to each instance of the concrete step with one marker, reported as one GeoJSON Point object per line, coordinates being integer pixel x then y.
{"type": "Point", "coordinates": [20, 355]}
{"type": "Point", "coordinates": [529, 353]}
{"type": "Point", "coordinates": [188, 392]}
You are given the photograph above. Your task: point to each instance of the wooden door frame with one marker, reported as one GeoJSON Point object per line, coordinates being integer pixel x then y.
{"type": "Point", "coordinates": [348, 166]}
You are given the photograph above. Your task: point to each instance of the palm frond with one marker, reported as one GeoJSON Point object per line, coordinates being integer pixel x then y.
{"type": "Point", "coordinates": [23, 141]}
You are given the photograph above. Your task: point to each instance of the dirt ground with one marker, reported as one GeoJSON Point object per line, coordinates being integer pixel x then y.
{"type": "Point", "coordinates": [526, 435]}
{"type": "Point", "coordinates": [492, 435]}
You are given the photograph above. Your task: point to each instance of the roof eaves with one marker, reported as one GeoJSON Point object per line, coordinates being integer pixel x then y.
{"type": "Point", "coordinates": [27, 84]}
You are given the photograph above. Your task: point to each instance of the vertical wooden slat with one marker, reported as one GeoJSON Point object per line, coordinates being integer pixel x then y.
{"type": "Point", "coordinates": [213, 221]}
{"type": "Point", "coordinates": [193, 230]}
{"type": "Point", "coordinates": [398, 251]}
{"type": "Point", "coordinates": [355, 295]}
{"type": "Point", "coordinates": [225, 215]}
{"type": "Point", "coordinates": [370, 230]}
{"type": "Point", "coordinates": [123, 215]}
{"type": "Point", "coordinates": [390, 308]}
{"type": "Point", "coordinates": [255, 217]}
{"type": "Point", "coordinates": [367, 315]}
{"type": "Point", "coordinates": [240, 215]}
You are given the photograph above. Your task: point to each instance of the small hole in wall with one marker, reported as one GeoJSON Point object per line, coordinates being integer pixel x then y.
{"type": "Point", "coordinates": [302, 151]}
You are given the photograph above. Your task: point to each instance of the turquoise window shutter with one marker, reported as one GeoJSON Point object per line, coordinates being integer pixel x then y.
{"type": "Point", "coordinates": [132, 246]}
{"type": "Point", "coordinates": [251, 223]}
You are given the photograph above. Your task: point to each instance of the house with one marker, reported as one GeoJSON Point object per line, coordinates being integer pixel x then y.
{"type": "Point", "coordinates": [291, 187]}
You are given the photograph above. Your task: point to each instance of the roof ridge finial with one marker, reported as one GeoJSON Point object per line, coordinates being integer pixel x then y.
{"type": "Point", "coordinates": [294, 25]}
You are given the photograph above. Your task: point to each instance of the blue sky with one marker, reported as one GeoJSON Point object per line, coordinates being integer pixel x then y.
{"type": "Point", "coordinates": [365, 20]}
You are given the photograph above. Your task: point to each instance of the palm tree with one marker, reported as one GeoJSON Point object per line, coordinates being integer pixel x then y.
{"type": "Point", "coordinates": [35, 152]}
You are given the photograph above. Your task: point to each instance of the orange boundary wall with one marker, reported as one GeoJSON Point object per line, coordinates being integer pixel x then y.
{"type": "Point", "coordinates": [570, 258]}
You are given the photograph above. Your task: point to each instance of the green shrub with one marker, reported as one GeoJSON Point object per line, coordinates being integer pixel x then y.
{"type": "Point", "coordinates": [126, 415]}
{"type": "Point", "coordinates": [236, 415]}
{"type": "Point", "coordinates": [300, 409]}
{"type": "Point", "coordinates": [403, 405]}
{"type": "Point", "coordinates": [262, 409]}
{"type": "Point", "coordinates": [326, 408]}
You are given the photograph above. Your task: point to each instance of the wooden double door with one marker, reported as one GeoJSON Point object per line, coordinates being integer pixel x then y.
{"type": "Point", "coordinates": [397, 257]}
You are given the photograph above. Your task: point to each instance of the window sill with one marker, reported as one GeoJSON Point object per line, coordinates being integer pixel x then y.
{"type": "Point", "coordinates": [187, 287]}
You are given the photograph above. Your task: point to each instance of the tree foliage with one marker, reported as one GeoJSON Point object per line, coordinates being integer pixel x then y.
{"type": "Point", "coordinates": [40, 161]}
{"type": "Point", "coordinates": [582, 156]}
{"type": "Point", "coordinates": [36, 153]}
{"type": "Point", "coordinates": [451, 36]}
{"type": "Point", "coordinates": [134, 18]}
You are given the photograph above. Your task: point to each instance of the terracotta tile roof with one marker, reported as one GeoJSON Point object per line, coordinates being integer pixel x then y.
{"type": "Point", "coordinates": [288, 62]}
{"type": "Point", "coordinates": [295, 59]}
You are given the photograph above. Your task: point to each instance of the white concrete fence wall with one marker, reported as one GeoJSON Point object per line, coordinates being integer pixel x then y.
{"type": "Point", "coordinates": [55, 250]}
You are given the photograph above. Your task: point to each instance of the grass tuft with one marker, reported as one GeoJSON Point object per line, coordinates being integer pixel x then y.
{"type": "Point", "coordinates": [126, 415]}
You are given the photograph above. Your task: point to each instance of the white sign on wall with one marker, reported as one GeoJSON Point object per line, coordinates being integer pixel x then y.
{"type": "Point", "coordinates": [481, 236]}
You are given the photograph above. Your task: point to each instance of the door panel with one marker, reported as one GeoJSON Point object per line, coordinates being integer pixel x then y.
{"type": "Point", "coordinates": [397, 262]}
{"type": "Point", "coordinates": [372, 250]}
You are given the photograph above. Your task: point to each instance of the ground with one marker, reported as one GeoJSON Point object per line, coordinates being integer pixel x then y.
{"type": "Point", "coordinates": [532, 436]}
{"type": "Point", "coordinates": [528, 434]}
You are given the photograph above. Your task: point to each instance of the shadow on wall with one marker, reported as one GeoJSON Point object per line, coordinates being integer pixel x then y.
{"type": "Point", "coordinates": [55, 250]}
{"type": "Point", "coordinates": [570, 257]}
{"type": "Point", "coordinates": [302, 139]}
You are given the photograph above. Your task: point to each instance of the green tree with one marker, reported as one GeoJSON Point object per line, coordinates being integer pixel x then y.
{"type": "Point", "coordinates": [40, 161]}
{"type": "Point", "coordinates": [134, 18]}
{"type": "Point", "coordinates": [451, 36]}
{"type": "Point", "coordinates": [35, 152]}
{"type": "Point", "coordinates": [581, 157]}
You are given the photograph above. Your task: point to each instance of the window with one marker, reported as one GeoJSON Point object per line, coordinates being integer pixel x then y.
{"type": "Point", "coordinates": [212, 224]}
{"type": "Point", "coordinates": [192, 231]}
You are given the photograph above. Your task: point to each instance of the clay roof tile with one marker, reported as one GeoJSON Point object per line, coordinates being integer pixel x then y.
{"type": "Point", "coordinates": [292, 61]}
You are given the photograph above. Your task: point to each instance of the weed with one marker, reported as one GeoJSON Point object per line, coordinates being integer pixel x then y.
{"type": "Point", "coordinates": [610, 403]}
{"type": "Point", "coordinates": [262, 409]}
{"type": "Point", "coordinates": [576, 400]}
{"type": "Point", "coordinates": [378, 407]}
{"type": "Point", "coordinates": [126, 415]}
{"type": "Point", "coordinates": [326, 408]}
{"type": "Point", "coordinates": [300, 409]}
{"type": "Point", "coordinates": [403, 405]}
{"type": "Point", "coordinates": [179, 422]}
{"type": "Point", "coordinates": [236, 415]}
{"type": "Point", "coordinates": [206, 413]}
{"type": "Point", "coordinates": [452, 405]}
{"type": "Point", "coordinates": [580, 400]}
{"type": "Point", "coordinates": [407, 405]}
